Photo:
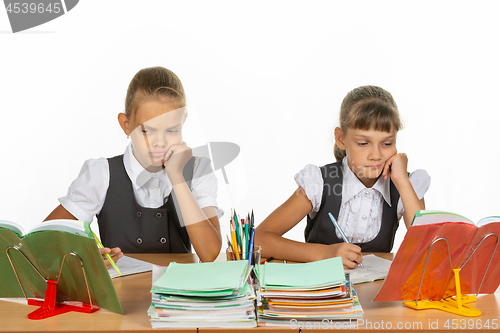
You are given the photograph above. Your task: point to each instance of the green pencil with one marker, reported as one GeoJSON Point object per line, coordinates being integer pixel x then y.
{"type": "Point", "coordinates": [238, 235]}
{"type": "Point", "coordinates": [99, 244]}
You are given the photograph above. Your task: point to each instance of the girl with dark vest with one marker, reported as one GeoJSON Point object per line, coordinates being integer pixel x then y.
{"type": "Point", "coordinates": [156, 197]}
{"type": "Point", "coordinates": [367, 190]}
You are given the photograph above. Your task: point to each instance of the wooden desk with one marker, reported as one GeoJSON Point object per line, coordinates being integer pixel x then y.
{"type": "Point", "coordinates": [135, 298]}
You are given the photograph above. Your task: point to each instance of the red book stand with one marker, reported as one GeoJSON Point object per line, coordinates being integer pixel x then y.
{"type": "Point", "coordinates": [49, 307]}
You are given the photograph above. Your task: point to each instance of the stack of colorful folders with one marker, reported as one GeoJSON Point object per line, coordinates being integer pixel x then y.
{"type": "Point", "coordinates": [314, 293]}
{"type": "Point", "coordinates": [212, 294]}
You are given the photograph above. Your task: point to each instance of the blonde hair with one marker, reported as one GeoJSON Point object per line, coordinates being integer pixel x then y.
{"type": "Point", "coordinates": [368, 107]}
{"type": "Point", "coordinates": [156, 83]}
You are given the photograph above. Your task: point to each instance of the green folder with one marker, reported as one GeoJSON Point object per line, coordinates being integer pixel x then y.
{"type": "Point", "coordinates": [322, 273]}
{"type": "Point", "coordinates": [45, 249]}
{"type": "Point", "coordinates": [203, 279]}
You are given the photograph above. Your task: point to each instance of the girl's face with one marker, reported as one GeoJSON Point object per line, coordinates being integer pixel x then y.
{"type": "Point", "coordinates": [367, 151]}
{"type": "Point", "coordinates": [153, 128]}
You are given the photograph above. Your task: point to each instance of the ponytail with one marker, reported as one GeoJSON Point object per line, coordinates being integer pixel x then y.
{"type": "Point", "coordinates": [339, 153]}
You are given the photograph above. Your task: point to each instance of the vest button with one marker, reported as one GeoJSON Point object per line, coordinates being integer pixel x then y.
{"type": "Point", "coordinates": [139, 214]}
{"type": "Point", "coordinates": [159, 215]}
{"type": "Point", "coordinates": [163, 240]}
{"type": "Point", "coordinates": [139, 240]}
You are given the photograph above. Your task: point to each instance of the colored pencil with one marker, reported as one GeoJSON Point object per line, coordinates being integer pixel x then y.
{"type": "Point", "coordinates": [247, 227]}
{"type": "Point", "coordinates": [235, 246]}
{"type": "Point", "coordinates": [230, 247]}
{"type": "Point", "coordinates": [237, 230]}
{"type": "Point", "coordinates": [111, 261]}
{"type": "Point", "coordinates": [250, 251]}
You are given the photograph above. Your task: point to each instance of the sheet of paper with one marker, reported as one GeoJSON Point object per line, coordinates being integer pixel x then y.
{"type": "Point", "coordinates": [374, 268]}
{"type": "Point", "coordinates": [128, 266]}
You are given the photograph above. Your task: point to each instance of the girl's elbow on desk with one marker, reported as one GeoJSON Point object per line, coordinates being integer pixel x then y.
{"type": "Point", "coordinates": [264, 238]}
{"type": "Point", "coordinates": [211, 250]}
{"type": "Point", "coordinates": [207, 257]}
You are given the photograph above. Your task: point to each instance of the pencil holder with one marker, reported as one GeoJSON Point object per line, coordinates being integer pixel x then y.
{"type": "Point", "coordinates": [231, 255]}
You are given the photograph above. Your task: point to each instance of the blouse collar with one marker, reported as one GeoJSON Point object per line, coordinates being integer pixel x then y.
{"type": "Point", "coordinates": [351, 185]}
{"type": "Point", "coordinates": [136, 172]}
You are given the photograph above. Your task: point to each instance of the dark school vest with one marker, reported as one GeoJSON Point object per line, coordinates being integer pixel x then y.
{"type": "Point", "coordinates": [125, 224]}
{"type": "Point", "coordinates": [320, 229]}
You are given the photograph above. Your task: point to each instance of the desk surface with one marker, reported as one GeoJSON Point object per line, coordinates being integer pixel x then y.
{"type": "Point", "coordinates": [133, 291]}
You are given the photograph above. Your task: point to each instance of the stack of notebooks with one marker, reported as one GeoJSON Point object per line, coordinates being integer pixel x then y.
{"type": "Point", "coordinates": [314, 292]}
{"type": "Point", "coordinates": [213, 294]}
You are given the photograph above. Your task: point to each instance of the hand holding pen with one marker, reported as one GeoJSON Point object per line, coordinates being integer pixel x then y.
{"type": "Point", "coordinates": [106, 253]}
{"type": "Point", "coordinates": [344, 237]}
{"type": "Point", "coordinates": [111, 256]}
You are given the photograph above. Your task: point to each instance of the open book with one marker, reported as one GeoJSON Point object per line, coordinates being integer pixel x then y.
{"type": "Point", "coordinates": [71, 226]}
{"type": "Point", "coordinates": [435, 216]}
{"type": "Point", "coordinates": [45, 246]}
{"type": "Point", "coordinates": [473, 248]}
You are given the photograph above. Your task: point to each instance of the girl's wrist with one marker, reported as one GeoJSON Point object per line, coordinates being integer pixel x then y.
{"type": "Point", "coordinates": [175, 177]}
{"type": "Point", "coordinates": [401, 183]}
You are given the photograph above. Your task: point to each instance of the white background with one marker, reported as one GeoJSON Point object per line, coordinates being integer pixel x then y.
{"type": "Point", "coordinates": [269, 76]}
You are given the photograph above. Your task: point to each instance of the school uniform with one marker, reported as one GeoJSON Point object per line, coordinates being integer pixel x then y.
{"type": "Point", "coordinates": [368, 216]}
{"type": "Point", "coordinates": [136, 209]}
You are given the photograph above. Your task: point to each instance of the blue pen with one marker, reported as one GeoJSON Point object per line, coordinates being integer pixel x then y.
{"type": "Point", "coordinates": [250, 250]}
{"type": "Point", "coordinates": [341, 232]}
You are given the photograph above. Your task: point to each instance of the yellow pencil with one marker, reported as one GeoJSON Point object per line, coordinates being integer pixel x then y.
{"type": "Point", "coordinates": [99, 244]}
{"type": "Point", "coordinates": [235, 248]}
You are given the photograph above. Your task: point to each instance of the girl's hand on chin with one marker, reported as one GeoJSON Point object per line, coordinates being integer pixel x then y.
{"type": "Point", "coordinates": [176, 158]}
{"type": "Point", "coordinates": [397, 167]}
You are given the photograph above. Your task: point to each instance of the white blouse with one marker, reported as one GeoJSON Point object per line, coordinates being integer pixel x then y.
{"type": "Point", "coordinates": [360, 215]}
{"type": "Point", "coordinates": [87, 192]}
